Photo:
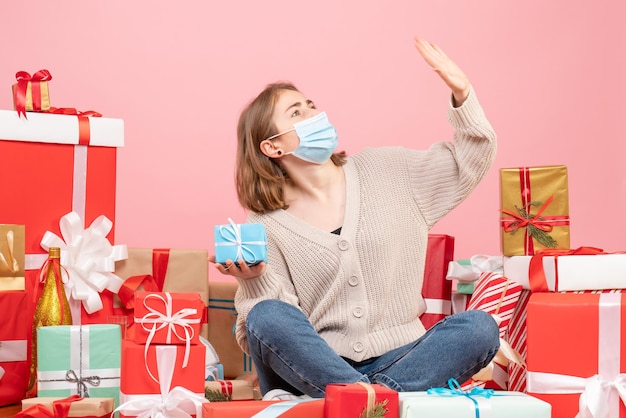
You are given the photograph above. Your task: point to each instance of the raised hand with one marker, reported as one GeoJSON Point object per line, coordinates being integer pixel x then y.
{"type": "Point", "coordinates": [447, 69]}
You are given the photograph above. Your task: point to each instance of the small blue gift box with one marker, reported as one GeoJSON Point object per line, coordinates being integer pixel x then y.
{"type": "Point", "coordinates": [247, 242]}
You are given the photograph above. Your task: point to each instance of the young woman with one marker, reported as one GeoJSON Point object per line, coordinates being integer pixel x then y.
{"type": "Point", "coordinates": [339, 299]}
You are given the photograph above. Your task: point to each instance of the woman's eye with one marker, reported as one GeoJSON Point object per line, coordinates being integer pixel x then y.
{"type": "Point", "coordinates": [295, 113]}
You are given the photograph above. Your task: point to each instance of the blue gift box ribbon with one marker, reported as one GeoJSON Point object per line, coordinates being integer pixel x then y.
{"type": "Point", "coordinates": [455, 390]}
{"type": "Point", "coordinates": [232, 237]}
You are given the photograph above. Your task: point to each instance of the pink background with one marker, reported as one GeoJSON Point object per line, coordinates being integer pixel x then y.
{"type": "Point", "coordinates": [551, 76]}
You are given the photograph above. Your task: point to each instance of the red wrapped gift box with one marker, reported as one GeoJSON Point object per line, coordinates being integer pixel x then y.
{"type": "Point", "coordinates": [14, 353]}
{"type": "Point", "coordinates": [436, 290]}
{"type": "Point", "coordinates": [576, 345]}
{"type": "Point", "coordinates": [151, 374]}
{"type": "Point", "coordinates": [140, 373]}
{"type": "Point", "coordinates": [52, 165]}
{"type": "Point", "coordinates": [168, 317]}
{"type": "Point", "coordinates": [350, 400]}
{"type": "Point", "coordinates": [302, 408]}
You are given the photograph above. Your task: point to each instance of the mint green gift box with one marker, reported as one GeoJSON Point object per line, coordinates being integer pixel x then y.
{"type": "Point", "coordinates": [79, 359]}
{"type": "Point", "coordinates": [465, 288]}
{"type": "Point", "coordinates": [501, 404]}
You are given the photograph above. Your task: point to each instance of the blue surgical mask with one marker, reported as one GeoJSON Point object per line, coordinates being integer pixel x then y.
{"type": "Point", "coordinates": [318, 139]}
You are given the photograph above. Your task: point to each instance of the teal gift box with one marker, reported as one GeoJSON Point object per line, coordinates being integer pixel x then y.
{"type": "Point", "coordinates": [79, 359]}
{"type": "Point", "coordinates": [502, 404]}
{"type": "Point", "coordinates": [247, 242]}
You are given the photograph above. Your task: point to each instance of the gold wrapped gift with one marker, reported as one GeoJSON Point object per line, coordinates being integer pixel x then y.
{"type": "Point", "coordinates": [12, 248]}
{"type": "Point", "coordinates": [85, 407]}
{"type": "Point", "coordinates": [534, 209]}
{"type": "Point", "coordinates": [31, 93]}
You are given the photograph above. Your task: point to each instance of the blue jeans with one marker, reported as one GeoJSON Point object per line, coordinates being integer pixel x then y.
{"type": "Point", "coordinates": [289, 354]}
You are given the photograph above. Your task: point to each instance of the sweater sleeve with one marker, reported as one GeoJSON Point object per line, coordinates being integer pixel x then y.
{"type": "Point", "coordinates": [444, 175]}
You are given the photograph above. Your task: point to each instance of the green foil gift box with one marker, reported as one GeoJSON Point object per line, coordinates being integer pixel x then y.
{"type": "Point", "coordinates": [534, 209]}
{"type": "Point", "coordinates": [79, 359]}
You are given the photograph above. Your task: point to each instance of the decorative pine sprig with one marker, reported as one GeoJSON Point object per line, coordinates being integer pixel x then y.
{"type": "Point", "coordinates": [215, 396]}
{"type": "Point", "coordinates": [378, 411]}
{"type": "Point", "coordinates": [542, 237]}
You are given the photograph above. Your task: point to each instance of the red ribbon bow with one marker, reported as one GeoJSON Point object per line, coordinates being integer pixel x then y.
{"type": "Point", "coordinates": [23, 78]}
{"type": "Point", "coordinates": [519, 221]}
{"type": "Point", "coordinates": [60, 409]}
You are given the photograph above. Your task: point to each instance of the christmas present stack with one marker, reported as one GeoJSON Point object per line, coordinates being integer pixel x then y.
{"type": "Point", "coordinates": [58, 166]}
{"type": "Point", "coordinates": [163, 365]}
{"type": "Point", "coordinates": [55, 164]}
{"type": "Point", "coordinates": [568, 321]}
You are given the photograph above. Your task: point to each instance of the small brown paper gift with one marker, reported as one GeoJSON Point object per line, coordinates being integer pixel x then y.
{"type": "Point", "coordinates": [174, 270]}
{"type": "Point", "coordinates": [12, 249]}
{"type": "Point", "coordinates": [222, 318]}
{"type": "Point", "coordinates": [232, 390]}
{"type": "Point", "coordinates": [535, 209]}
{"type": "Point", "coordinates": [85, 407]}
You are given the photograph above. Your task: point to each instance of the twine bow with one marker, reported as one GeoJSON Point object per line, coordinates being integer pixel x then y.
{"type": "Point", "coordinates": [23, 78]}
{"type": "Point", "coordinates": [81, 382]}
{"type": "Point", "coordinates": [455, 390]}
{"type": "Point", "coordinates": [232, 236]}
{"type": "Point", "coordinates": [88, 258]}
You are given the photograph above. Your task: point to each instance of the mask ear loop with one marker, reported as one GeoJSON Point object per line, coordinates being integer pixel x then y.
{"type": "Point", "coordinates": [279, 134]}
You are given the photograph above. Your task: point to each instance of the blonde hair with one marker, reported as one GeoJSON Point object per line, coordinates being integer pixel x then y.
{"type": "Point", "coordinates": [260, 180]}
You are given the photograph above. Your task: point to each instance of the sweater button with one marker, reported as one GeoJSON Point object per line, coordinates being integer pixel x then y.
{"type": "Point", "coordinates": [343, 245]}
{"type": "Point", "coordinates": [358, 312]}
{"type": "Point", "coordinates": [353, 280]}
{"type": "Point", "coordinates": [358, 346]}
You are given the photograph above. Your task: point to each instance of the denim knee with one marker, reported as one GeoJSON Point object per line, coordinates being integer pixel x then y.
{"type": "Point", "coordinates": [485, 330]}
{"type": "Point", "coordinates": [267, 316]}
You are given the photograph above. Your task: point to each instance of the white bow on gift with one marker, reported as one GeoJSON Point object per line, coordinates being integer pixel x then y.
{"type": "Point", "coordinates": [232, 236]}
{"type": "Point", "coordinates": [156, 320]}
{"type": "Point", "coordinates": [178, 402]}
{"type": "Point", "coordinates": [88, 259]}
{"type": "Point", "coordinates": [478, 264]}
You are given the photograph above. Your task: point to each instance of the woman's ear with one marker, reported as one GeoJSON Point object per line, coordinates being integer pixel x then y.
{"type": "Point", "coordinates": [269, 149]}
